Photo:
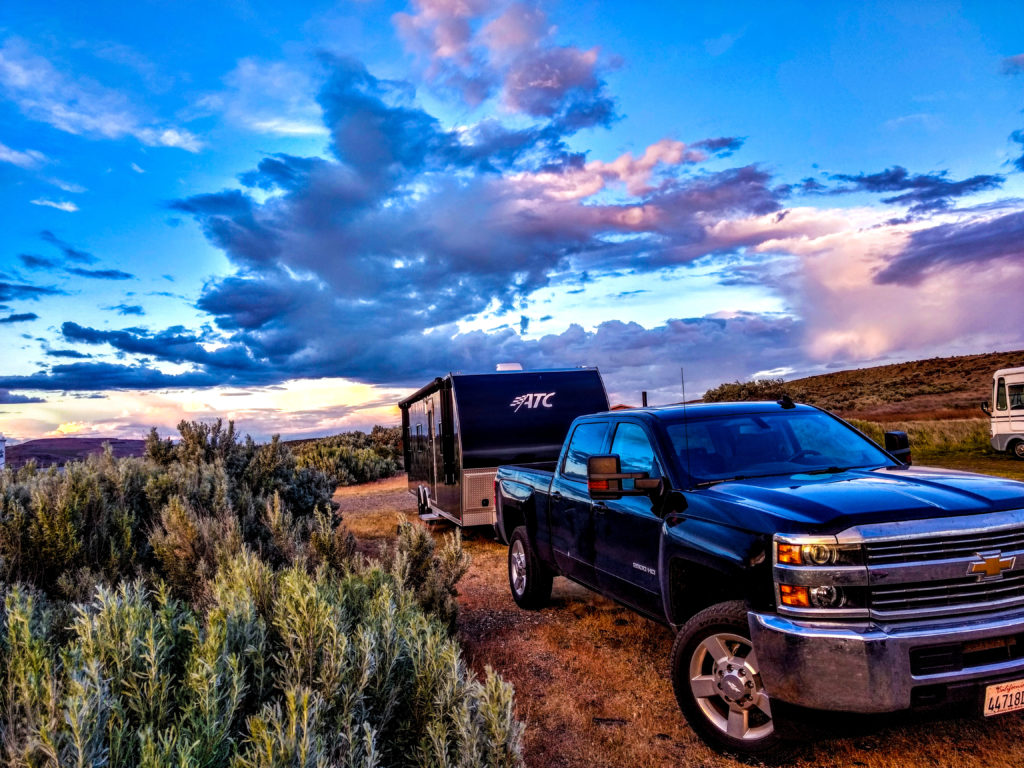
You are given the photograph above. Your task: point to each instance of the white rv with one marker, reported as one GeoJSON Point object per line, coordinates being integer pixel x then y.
{"type": "Point", "coordinates": [1007, 411]}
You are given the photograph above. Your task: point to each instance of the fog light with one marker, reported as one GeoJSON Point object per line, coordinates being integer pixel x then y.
{"type": "Point", "coordinates": [827, 597]}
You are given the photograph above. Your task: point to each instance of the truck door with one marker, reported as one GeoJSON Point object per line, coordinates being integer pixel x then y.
{"type": "Point", "coordinates": [628, 531]}
{"type": "Point", "coordinates": [570, 514]}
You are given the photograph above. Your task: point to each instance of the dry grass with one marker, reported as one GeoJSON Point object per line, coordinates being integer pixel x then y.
{"type": "Point", "coordinates": [592, 683]}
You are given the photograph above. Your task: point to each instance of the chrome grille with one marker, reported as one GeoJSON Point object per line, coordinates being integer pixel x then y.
{"type": "Point", "coordinates": [929, 576]}
{"type": "Point", "coordinates": [943, 547]}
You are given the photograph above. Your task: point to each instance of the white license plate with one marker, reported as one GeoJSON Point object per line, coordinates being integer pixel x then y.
{"type": "Point", "coordinates": [1004, 697]}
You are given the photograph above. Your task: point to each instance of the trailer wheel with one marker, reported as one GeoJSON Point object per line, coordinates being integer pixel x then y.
{"type": "Point", "coordinates": [718, 686]}
{"type": "Point", "coordinates": [528, 579]}
{"type": "Point", "coordinates": [1017, 450]}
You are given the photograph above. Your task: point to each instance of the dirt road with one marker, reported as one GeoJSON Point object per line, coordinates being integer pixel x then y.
{"type": "Point", "coordinates": [592, 683]}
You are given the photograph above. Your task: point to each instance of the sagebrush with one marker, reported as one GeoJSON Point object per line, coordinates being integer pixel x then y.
{"type": "Point", "coordinates": [203, 606]}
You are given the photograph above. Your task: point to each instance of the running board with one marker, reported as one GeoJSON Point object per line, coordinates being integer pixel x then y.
{"type": "Point", "coordinates": [431, 517]}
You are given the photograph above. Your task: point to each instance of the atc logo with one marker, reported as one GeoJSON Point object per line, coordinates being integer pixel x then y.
{"type": "Point", "coordinates": [533, 400]}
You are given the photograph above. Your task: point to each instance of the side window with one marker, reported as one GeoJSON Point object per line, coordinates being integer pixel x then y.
{"type": "Point", "coordinates": [587, 440]}
{"type": "Point", "coordinates": [1016, 393]}
{"type": "Point", "coordinates": [634, 450]}
{"type": "Point", "coordinates": [1001, 394]}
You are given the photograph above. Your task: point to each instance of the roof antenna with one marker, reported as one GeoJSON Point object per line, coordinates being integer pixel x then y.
{"type": "Point", "coordinates": [686, 425]}
{"type": "Point", "coordinates": [786, 402]}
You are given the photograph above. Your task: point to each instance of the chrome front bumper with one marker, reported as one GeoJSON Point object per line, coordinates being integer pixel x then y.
{"type": "Point", "coordinates": [867, 668]}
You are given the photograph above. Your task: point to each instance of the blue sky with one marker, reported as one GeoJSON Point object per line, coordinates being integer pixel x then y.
{"type": "Point", "coordinates": [289, 214]}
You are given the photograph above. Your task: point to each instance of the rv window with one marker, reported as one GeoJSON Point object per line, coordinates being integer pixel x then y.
{"type": "Point", "coordinates": [1016, 392]}
{"type": "Point", "coordinates": [587, 440]}
{"type": "Point", "coordinates": [1001, 394]}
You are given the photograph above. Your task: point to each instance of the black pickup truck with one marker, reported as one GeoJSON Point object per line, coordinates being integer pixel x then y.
{"type": "Point", "coordinates": [803, 566]}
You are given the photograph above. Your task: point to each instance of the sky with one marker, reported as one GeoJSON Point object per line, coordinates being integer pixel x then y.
{"type": "Point", "coordinates": [293, 214]}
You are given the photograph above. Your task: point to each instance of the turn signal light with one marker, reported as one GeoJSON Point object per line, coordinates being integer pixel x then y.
{"type": "Point", "coordinates": [790, 554]}
{"type": "Point", "coordinates": [598, 485]}
{"type": "Point", "coordinates": [797, 597]}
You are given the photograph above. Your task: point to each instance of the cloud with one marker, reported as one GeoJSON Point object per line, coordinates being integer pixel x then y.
{"type": "Point", "coordinates": [136, 168]}
{"type": "Point", "coordinates": [274, 98]}
{"type": "Point", "coordinates": [28, 158]}
{"type": "Point", "coordinates": [14, 291]}
{"type": "Point", "coordinates": [8, 398]}
{"type": "Point", "coordinates": [100, 274]}
{"type": "Point", "coordinates": [19, 318]}
{"type": "Point", "coordinates": [105, 376]}
{"type": "Point", "coordinates": [478, 47]}
{"type": "Point", "coordinates": [923, 192]}
{"type": "Point", "coordinates": [128, 309]}
{"type": "Point", "coordinates": [78, 105]}
{"type": "Point", "coordinates": [1018, 137]}
{"type": "Point", "coordinates": [34, 261]}
{"type": "Point", "coordinates": [67, 353]}
{"type": "Point", "coordinates": [70, 253]}
{"type": "Point", "coordinates": [1014, 65]}
{"type": "Point", "coordinates": [971, 243]}
{"type": "Point", "coordinates": [60, 205]}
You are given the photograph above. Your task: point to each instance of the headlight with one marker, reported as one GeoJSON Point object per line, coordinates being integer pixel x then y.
{"type": "Point", "coordinates": [817, 577]}
{"type": "Point", "coordinates": [817, 554]}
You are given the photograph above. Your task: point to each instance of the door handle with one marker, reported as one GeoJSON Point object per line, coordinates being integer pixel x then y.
{"type": "Point", "coordinates": [556, 496]}
{"type": "Point", "coordinates": [600, 508]}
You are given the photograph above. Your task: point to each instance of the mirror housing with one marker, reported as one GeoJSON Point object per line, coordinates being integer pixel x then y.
{"type": "Point", "coordinates": [605, 476]}
{"type": "Point", "coordinates": [898, 444]}
{"type": "Point", "coordinates": [985, 408]}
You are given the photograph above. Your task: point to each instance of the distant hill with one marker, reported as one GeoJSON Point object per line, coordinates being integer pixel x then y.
{"type": "Point", "coordinates": [937, 388]}
{"type": "Point", "coordinates": [58, 451]}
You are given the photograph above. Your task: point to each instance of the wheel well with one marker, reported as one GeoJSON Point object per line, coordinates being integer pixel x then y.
{"type": "Point", "coordinates": [511, 518]}
{"type": "Point", "coordinates": [694, 587]}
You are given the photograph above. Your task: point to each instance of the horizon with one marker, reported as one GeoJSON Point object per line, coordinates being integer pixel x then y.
{"type": "Point", "coordinates": [294, 216]}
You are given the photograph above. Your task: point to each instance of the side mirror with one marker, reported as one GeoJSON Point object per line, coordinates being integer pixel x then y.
{"type": "Point", "coordinates": [605, 476]}
{"type": "Point", "coordinates": [985, 408]}
{"type": "Point", "coordinates": [898, 444]}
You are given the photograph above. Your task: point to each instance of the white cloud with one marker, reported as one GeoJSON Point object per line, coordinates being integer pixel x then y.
{"type": "Point", "coordinates": [274, 98]}
{"type": "Point", "coordinates": [137, 169]}
{"type": "Point", "coordinates": [78, 105]}
{"type": "Point", "coordinates": [66, 186]}
{"type": "Point", "coordinates": [28, 158]}
{"type": "Point", "coordinates": [60, 205]}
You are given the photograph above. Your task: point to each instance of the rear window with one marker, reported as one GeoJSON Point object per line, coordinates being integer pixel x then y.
{"type": "Point", "coordinates": [587, 440]}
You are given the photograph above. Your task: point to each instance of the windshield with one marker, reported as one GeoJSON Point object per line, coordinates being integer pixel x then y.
{"type": "Point", "coordinates": [763, 444]}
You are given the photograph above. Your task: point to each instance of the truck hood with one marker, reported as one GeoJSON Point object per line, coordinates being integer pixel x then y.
{"type": "Point", "coordinates": [833, 502]}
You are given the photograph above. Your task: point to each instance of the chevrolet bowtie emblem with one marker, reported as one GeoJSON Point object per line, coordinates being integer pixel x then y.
{"type": "Point", "coordinates": [992, 564]}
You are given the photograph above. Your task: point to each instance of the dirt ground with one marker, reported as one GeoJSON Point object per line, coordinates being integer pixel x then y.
{"type": "Point", "coordinates": [592, 684]}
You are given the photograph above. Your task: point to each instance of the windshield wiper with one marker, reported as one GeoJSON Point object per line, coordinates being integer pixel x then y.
{"type": "Point", "coordinates": [828, 471]}
{"type": "Point", "coordinates": [709, 483]}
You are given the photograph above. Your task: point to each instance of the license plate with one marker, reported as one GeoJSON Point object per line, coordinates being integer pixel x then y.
{"type": "Point", "coordinates": [1004, 697]}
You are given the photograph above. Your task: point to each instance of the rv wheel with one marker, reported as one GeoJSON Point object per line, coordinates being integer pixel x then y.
{"type": "Point", "coordinates": [1017, 450]}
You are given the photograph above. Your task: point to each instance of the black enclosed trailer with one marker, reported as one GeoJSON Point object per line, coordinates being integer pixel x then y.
{"type": "Point", "coordinates": [458, 428]}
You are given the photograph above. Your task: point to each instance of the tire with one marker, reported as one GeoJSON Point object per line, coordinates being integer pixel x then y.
{"type": "Point", "coordinates": [712, 655]}
{"type": "Point", "coordinates": [528, 579]}
{"type": "Point", "coordinates": [1017, 450]}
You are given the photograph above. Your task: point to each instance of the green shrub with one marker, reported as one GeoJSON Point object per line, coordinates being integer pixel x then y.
{"type": "Point", "coordinates": [281, 669]}
{"type": "Point", "coordinates": [354, 457]}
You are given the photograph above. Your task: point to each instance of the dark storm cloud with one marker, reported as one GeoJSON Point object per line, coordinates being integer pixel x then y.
{"type": "Point", "coordinates": [19, 318]}
{"type": "Point", "coordinates": [172, 345]}
{"type": "Point", "coordinates": [1014, 65]}
{"type": "Point", "coordinates": [13, 291]}
{"type": "Point", "coordinates": [924, 192]}
{"type": "Point", "coordinates": [70, 252]}
{"type": "Point", "coordinates": [973, 242]}
{"type": "Point", "coordinates": [7, 398]}
{"type": "Point", "coordinates": [100, 274]}
{"type": "Point", "coordinates": [722, 146]}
